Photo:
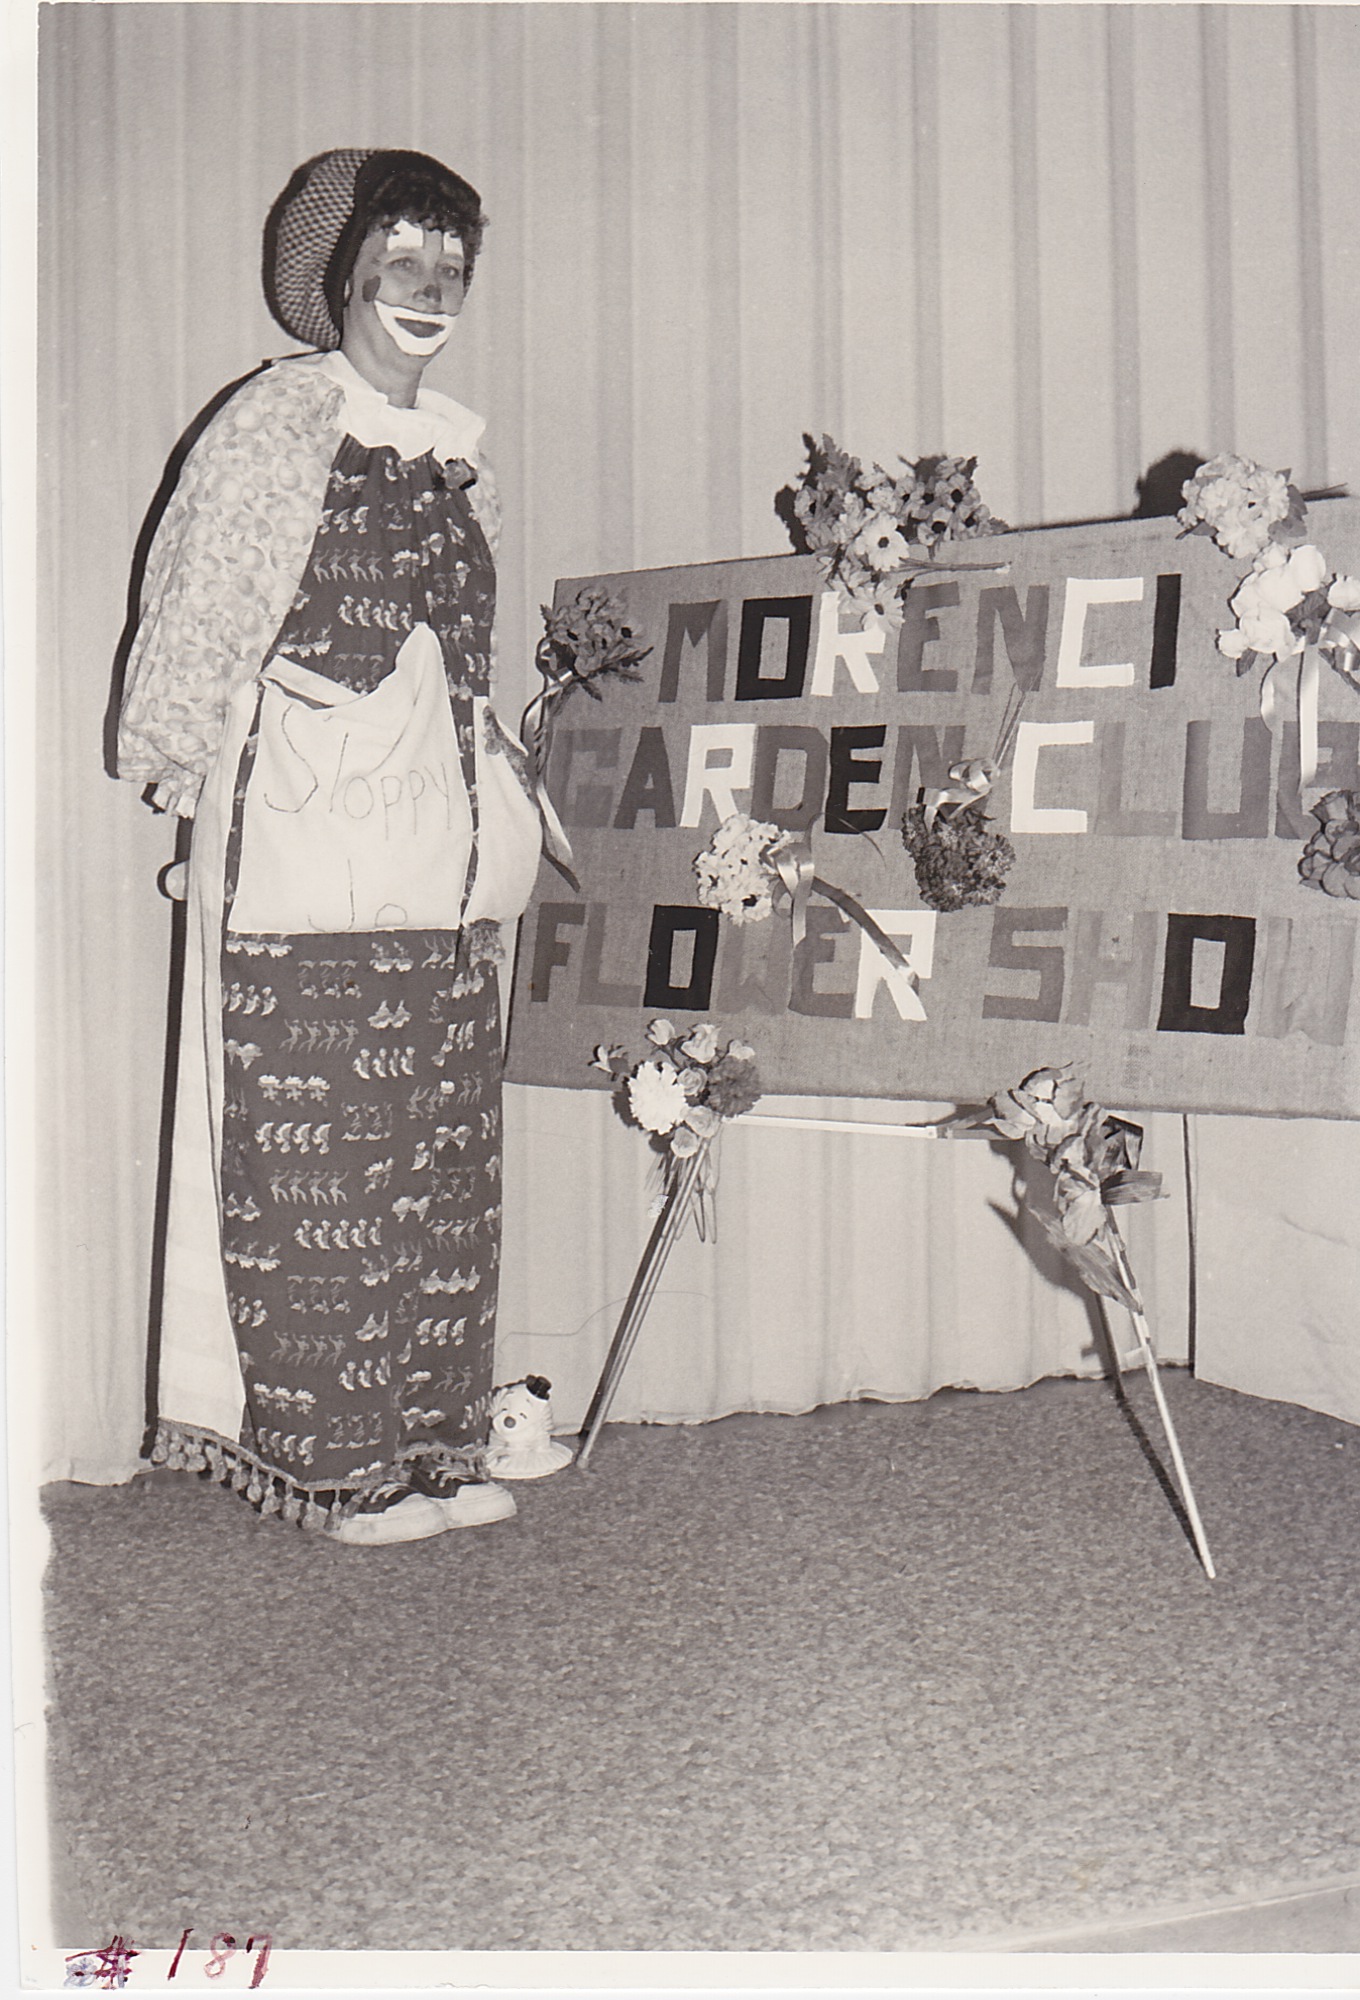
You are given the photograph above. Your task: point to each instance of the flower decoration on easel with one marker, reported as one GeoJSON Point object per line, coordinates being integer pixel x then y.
{"type": "Point", "coordinates": [875, 531]}
{"type": "Point", "coordinates": [684, 1087]}
{"type": "Point", "coordinates": [586, 640]}
{"type": "Point", "coordinates": [1093, 1157]}
{"type": "Point", "coordinates": [958, 855]}
{"type": "Point", "coordinates": [1331, 860]}
{"type": "Point", "coordinates": [751, 865]}
{"type": "Point", "coordinates": [1293, 613]}
{"type": "Point", "coordinates": [681, 1093]}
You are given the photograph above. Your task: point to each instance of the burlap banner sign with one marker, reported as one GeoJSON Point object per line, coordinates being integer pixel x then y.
{"type": "Point", "coordinates": [1153, 930]}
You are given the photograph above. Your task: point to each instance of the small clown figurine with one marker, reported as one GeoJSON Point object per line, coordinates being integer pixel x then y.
{"type": "Point", "coordinates": [522, 1445]}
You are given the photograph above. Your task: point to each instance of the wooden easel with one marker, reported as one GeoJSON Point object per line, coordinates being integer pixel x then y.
{"type": "Point", "coordinates": [680, 1199]}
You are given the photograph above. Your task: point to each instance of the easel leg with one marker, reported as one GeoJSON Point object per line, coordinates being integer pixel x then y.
{"type": "Point", "coordinates": [668, 1226]}
{"type": "Point", "coordinates": [1140, 1327]}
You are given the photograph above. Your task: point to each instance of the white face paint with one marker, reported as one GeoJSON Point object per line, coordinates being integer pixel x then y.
{"type": "Point", "coordinates": [407, 288]}
{"type": "Point", "coordinates": [415, 332]}
{"type": "Point", "coordinates": [405, 235]}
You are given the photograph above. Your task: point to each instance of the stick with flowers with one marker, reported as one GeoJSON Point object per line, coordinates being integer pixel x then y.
{"type": "Point", "coordinates": [680, 1093]}
{"type": "Point", "coordinates": [1290, 606]}
{"type": "Point", "coordinates": [1094, 1159]}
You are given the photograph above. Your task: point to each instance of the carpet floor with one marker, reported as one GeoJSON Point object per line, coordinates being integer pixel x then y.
{"type": "Point", "coordinates": [884, 1677]}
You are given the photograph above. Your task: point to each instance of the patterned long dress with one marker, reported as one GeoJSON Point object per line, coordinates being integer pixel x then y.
{"type": "Point", "coordinates": [354, 1060]}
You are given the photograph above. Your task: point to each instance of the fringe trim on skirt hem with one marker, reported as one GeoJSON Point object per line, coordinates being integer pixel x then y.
{"type": "Point", "coordinates": [190, 1448]}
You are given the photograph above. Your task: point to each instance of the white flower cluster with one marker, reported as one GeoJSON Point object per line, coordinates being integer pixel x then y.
{"type": "Point", "coordinates": [1276, 586]}
{"type": "Point", "coordinates": [735, 874]}
{"type": "Point", "coordinates": [1238, 502]}
{"type": "Point", "coordinates": [656, 1096]}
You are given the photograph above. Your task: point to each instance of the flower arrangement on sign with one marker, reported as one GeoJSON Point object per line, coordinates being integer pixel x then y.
{"type": "Point", "coordinates": [750, 865]}
{"type": "Point", "coordinates": [584, 641]}
{"type": "Point", "coordinates": [1093, 1157]}
{"type": "Point", "coordinates": [1331, 859]}
{"type": "Point", "coordinates": [958, 855]}
{"type": "Point", "coordinates": [1242, 506]}
{"type": "Point", "coordinates": [874, 531]}
{"type": "Point", "coordinates": [1290, 606]}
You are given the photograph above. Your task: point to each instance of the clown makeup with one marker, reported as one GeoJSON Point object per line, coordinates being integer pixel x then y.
{"type": "Point", "coordinates": [412, 279]}
{"type": "Point", "coordinates": [404, 235]}
{"type": "Point", "coordinates": [424, 335]}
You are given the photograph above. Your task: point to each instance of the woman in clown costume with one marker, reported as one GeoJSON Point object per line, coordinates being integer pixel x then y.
{"type": "Point", "coordinates": [309, 684]}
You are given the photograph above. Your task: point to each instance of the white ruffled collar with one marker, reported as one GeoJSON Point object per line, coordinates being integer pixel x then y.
{"type": "Point", "coordinates": [436, 424]}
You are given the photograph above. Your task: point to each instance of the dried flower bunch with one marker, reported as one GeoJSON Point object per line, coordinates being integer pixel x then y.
{"type": "Point", "coordinates": [958, 855]}
{"type": "Point", "coordinates": [875, 530]}
{"type": "Point", "coordinates": [1331, 860]}
{"type": "Point", "coordinates": [683, 1090]}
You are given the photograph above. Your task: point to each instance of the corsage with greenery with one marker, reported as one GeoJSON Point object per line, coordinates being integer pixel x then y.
{"type": "Point", "coordinates": [1093, 1157]}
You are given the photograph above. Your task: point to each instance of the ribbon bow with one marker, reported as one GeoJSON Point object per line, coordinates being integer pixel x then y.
{"type": "Point", "coordinates": [1304, 693]}
{"type": "Point", "coordinates": [972, 781]}
{"type": "Point", "coordinates": [1340, 640]}
{"type": "Point", "coordinates": [535, 728]}
{"type": "Point", "coordinates": [791, 859]}
{"type": "Point", "coordinates": [1338, 643]}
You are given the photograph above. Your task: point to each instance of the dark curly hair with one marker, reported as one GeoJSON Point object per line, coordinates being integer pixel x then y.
{"type": "Point", "coordinates": [403, 187]}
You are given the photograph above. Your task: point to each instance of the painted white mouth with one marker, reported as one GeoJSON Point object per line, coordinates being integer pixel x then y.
{"type": "Point", "coordinates": [415, 333]}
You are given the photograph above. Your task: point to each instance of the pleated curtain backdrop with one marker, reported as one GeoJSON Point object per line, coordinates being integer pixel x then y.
{"type": "Point", "coordinates": [1066, 238]}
